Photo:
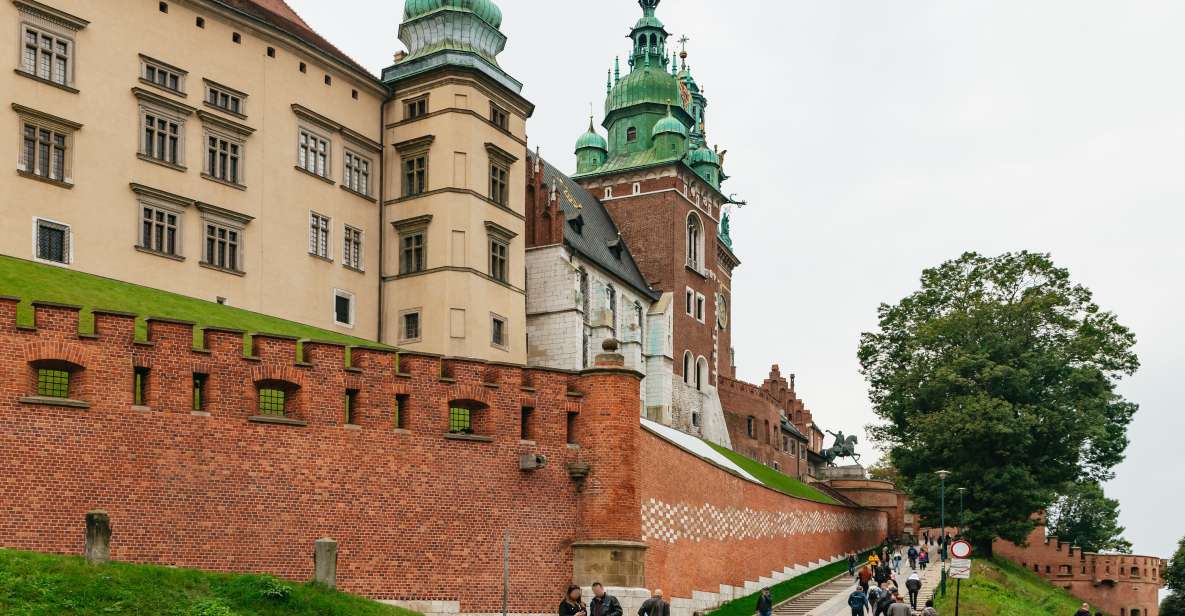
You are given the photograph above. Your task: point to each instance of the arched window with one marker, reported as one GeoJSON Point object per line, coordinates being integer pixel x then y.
{"type": "Point", "coordinates": [695, 238]}
{"type": "Point", "coordinates": [584, 298]}
{"type": "Point", "coordinates": [631, 134]}
{"type": "Point", "coordinates": [654, 40]}
{"type": "Point", "coordinates": [688, 367]}
{"type": "Point", "coordinates": [701, 375]}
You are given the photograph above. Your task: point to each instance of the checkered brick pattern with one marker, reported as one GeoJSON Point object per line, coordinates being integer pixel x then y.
{"type": "Point", "coordinates": [673, 522]}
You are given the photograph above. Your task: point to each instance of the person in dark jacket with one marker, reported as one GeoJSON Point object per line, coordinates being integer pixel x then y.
{"type": "Point", "coordinates": [858, 601]}
{"type": "Point", "coordinates": [1084, 610]}
{"type": "Point", "coordinates": [572, 605]}
{"type": "Point", "coordinates": [914, 586]}
{"type": "Point", "coordinates": [884, 600]}
{"type": "Point", "coordinates": [851, 564]}
{"type": "Point", "coordinates": [864, 576]}
{"type": "Point", "coordinates": [913, 557]}
{"type": "Point", "coordinates": [655, 606]}
{"type": "Point", "coordinates": [603, 603]}
{"type": "Point", "coordinates": [765, 603]}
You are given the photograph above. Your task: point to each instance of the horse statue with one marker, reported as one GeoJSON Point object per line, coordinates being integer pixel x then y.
{"type": "Point", "coordinates": [843, 448]}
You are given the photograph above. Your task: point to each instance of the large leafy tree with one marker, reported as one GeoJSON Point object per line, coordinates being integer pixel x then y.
{"type": "Point", "coordinates": [1173, 605]}
{"type": "Point", "coordinates": [1003, 371]}
{"type": "Point", "coordinates": [1174, 574]}
{"type": "Point", "coordinates": [1084, 516]}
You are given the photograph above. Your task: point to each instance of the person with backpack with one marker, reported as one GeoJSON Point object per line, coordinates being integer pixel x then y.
{"type": "Point", "coordinates": [914, 586]}
{"type": "Point", "coordinates": [913, 557]}
{"type": "Point", "coordinates": [851, 564]}
{"type": "Point", "coordinates": [884, 602]}
{"type": "Point", "coordinates": [924, 558]}
{"type": "Point", "coordinates": [858, 601]}
{"type": "Point", "coordinates": [765, 603]}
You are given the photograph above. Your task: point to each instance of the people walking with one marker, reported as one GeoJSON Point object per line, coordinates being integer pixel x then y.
{"type": "Point", "coordinates": [572, 605]}
{"type": "Point", "coordinates": [914, 586]}
{"type": "Point", "coordinates": [898, 608]}
{"type": "Point", "coordinates": [851, 564]}
{"type": "Point", "coordinates": [858, 601]}
{"type": "Point", "coordinates": [924, 558]}
{"type": "Point", "coordinates": [655, 606]}
{"type": "Point", "coordinates": [1084, 610]}
{"type": "Point", "coordinates": [765, 603]}
{"type": "Point", "coordinates": [897, 563]}
{"type": "Point", "coordinates": [864, 576]}
{"type": "Point", "coordinates": [884, 601]}
{"type": "Point", "coordinates": [603, 603]}
{"type": "Point", "coordinates": [913, 557]}
{"type": "Point", "coordinates": [929, 611]}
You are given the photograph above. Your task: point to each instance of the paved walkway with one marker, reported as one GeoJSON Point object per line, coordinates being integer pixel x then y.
{"type": "Point", "coordinates": [831, 599]}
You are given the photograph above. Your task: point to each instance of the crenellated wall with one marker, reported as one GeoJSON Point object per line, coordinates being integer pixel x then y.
{"type": "Point", "coordinates": [419, 512]}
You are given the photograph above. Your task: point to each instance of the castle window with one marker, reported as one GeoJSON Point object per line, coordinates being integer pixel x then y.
{"type": "Point", "coordinates": [161, 75]}
{"type": "Point", "coordinates": [319, 229]}
{"type": "Point", "coordinates": [415, 108]}
{"type": "Point", "coordinates": [272, 402]}
{"type": "Point", "coordinates": [47, 55]}
{"type": "Point", "coordinates": [701, 378]}
{"type": "Point", "coordinates": [499, 336]}
{"type": "Point", "coordinates": [410, 326]}
{"type": "Point", "coordinates": [460, 420]}
{"type": "Point", "coordinates": [400, 418]}
{"type": "Point", "coordinates": [140, 386]}
{"type": "Point", "coordinates": [499, 117]}
{"type": "Point", "coordinates": [222, 247]}
{"type": "Point", "coordinates": [751, 427]}
{"type": "Point", "coordinates": [53, 383]}
{"type": "Point", "coordinates": [162, 138]}
{"type": "Point", "coordinates": [526, 419]}
{"type": "Point", "coordinates": [608, 192]}
{"type": "Point", "coordinates": [499, 259]}
{"type": "Point", "coordinates": [312, 153]}
{"type": "Point", "coordinates": [499, 183]}
{"type": "Point", "coordinates": [352, 248]}
{"type": "Point", "coordinates": [689, 302]}
{"type": "Point", "coordinates": [199, 391]}
{"type": "Point", "coordinates": [351, 407]}
{"type": "Point", "coordinates": [357, 173]}
{"type": "Point", "coordinates": [225, 99]}
{"type": "Point", "coordinates": [695, 419]}
{"type": "Point", "coordinates": [694, 242]}
{"type": "Point", "coordinates": [271, 52]}
{"type": "Point", "coordinates": [700, 303]}
{"type": "Point", "coordinates": [236, 38]}
{"type": "Point", "coordinates": [415, 175]}
{"type": "Point", "coordinates": [637, 188]}
{"type": "Point", "coordinates": [44, 151]}
{"type": "Point", "coordinates": [611, 299]}
{"type": "Point", "coordinates": [688, 367]}
{"type": "Point", "coordinates": [52, 242]}
{"type": "Point", "coordinates": [631, 134]}
{"type": "Point", "coordinates": [343, 308]}
{"type": "Point", "coordinates": [570, 429]}
{"type": "Point", "coordinates": [640, 319]}
{"type": "Point", "coordinates": [223, 158]}
{"type": "Point", "coordinates": [200, 22]}
{"type": "Point", "coordinates": [412, 251]}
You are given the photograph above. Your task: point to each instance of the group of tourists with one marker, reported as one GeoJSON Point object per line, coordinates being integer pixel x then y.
{"type": "Point", "coordinates": [605, 604]}
{"type": "Point", "coordinates": [877, 590]}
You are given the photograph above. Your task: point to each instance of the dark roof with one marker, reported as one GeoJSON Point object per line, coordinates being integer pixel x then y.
{"type": "Point", "coordinates": [277, 14]}
{"type": "Point", "coordinates": [793, 429]}
{"type": "Point", "coordinates": [598, 239]}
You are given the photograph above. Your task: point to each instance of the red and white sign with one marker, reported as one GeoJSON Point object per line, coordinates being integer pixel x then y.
{"type": "Point", "coordinates": [960, 549]}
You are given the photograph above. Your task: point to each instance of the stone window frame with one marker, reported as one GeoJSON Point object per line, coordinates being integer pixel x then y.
{"type": "Point", "coordinates": [499, 239]}
{"type": "Point", "coordinates": [229, 220]}
{"type": "Point", "coordinates": [157, 206]}
{"type": "Point", "coordinates": [695, 242]}
{"type": "Point", "coordinates": [216, 127]}
{"type": "Point", "coordinates": [703, 376]}
{"type": "Point", "coordinates": [505, 322]}
{"type": "Point", "coordinates": [689, 302]}
{"type": "Point", "coordinates": [151, 103]}
{"type": "Point", "coordinates": [321, 236]}
{"type": "Point", "coordinates": [411, 150]}
{"type": "Point", "coordinates": [351, 173]}
{"type": "Point", "coordinates": [419, 314]}
{"type": "Point", "coordinates": [412, 110]}
{"type": "Point", "coordinates": [309, 141]}
{"type": "Point", "coordinates": [353, 299]}
{"type": "Point", "coordinates": [688, 367]}
{"type": "Point", "coordinates": [151, 67]}
{"type": "Point", "coordinates": [701, 307]}
{"type": "Point", "coordinates": [40, 121]}
{"type": "Point", "coordinates": [232, 95]}
{"type": "Point", "coordinates": [62, 27]}
{"type": "Point", "coordinates": [500, 161]}
{"type": "Point", "coordinates": [408, 228]}
{"type": "Point", "coordinates": [608, 192]}
{"type": "Point", "coordinates": [68, 241]}
{"type": "Point", "coordinates": [353, 248]}
{"type": "Point", "coordinates": [499, 116]}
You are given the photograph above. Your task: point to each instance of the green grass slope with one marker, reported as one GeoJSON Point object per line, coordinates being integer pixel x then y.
{"type": "Point", "coordinates": [774, 479]}
{"type": "Point", "coordinates": [998, 586]}
{"type": "Point", "coordinates": [35, 281]}
{"type": "Point", "coordinates": [45, 585]}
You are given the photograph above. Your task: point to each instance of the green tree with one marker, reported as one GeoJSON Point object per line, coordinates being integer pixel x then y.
{"type": "Point", "coordinates": [1174, 574]}
{"type": "Point", "coordinates": [1173, 605]}
{"type": "Point", "coordinates": [1084, 516]}
{"type": "Point", "coordinates": [884, 471]}
{"type": "Point", "coordinates": [1002, 371]}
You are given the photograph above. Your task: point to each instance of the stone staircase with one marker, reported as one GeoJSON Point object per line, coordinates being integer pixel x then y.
{"type": "Point", "coordinates": [809, 601]}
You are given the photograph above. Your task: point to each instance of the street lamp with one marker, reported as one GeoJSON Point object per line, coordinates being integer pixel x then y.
{"type": "Point", "coordinates": [962, 531]}
{"type": "Point", "coordinates": [942, 475]}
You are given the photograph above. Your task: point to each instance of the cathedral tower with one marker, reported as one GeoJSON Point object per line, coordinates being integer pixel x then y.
{"type": "Point", "coordinates": [660, 181]}
{"type": "Point", "coordinates": [455, 130]}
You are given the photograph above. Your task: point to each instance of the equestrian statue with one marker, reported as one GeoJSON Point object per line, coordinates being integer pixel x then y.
{"type": "Point", "coordinates": [843, 448]}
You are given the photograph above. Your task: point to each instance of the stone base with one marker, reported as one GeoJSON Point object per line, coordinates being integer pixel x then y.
{"type": "Point", "coordinates": [618, 564]}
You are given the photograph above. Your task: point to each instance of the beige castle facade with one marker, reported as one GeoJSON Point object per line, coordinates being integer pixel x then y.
{"type": "Point", "coordinates": [222, 150]}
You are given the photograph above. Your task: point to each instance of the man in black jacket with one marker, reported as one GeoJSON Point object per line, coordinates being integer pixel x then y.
{"type": "Point", "coordinates": [655, 606]}
{"type": "Point", "coordinates": [603, 603]}
{"type": "Point", "coordinates": [765, 603]}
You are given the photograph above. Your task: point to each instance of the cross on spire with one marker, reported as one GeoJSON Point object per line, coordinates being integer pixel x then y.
{"type": "Point", "coordinates": [683, 40]}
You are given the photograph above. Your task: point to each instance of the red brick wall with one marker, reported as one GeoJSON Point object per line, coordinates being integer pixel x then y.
{"type": "Point", "coordinates": [742, 400]}
{"type": "Point", "coordinates": [1107, 582]}
{"type": "Point", "coordinates": [417, 515]}
{"type": "Point", "coordinates": [691, 548]}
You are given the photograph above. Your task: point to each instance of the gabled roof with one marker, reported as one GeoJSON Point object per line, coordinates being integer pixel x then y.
{"type": "Point", "coordinates": [598, 239]}
{"type": "Point", "coordinates": [277, 14]}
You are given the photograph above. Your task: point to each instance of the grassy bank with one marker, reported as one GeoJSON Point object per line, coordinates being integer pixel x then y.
{"type": "Point", "coordinates": [774, 479]}
{"type": "Point", "coordinates": [1000, 587]}
{"type": "Point", "coordinates": [747, 605]}
{"type": "Point", "coordinates": [45, 585]}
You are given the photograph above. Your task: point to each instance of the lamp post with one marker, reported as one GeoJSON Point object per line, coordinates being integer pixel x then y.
{"type": "Point", "coordinates": [962, 531]}
{"type": "Point", "coordinates": [942, 475]}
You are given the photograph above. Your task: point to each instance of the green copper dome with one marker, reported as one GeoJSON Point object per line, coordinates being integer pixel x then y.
{"type": "Point", "coordinates": [590, 139]}
{"type": "Point", "coordinates": [643, 85]}
{"type": "Point", "coordinates": [670, 125]}
{"type": "Point", "coordinates": [485, 9]}
{"type": "Point", "coordinates": [702, 155]}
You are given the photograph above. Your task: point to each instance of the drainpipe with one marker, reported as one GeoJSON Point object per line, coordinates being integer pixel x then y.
{"type": "Point", "coordinates": [383, 209]}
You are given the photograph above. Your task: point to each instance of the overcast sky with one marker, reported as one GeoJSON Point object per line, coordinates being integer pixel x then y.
{"type": "Point", "coordinates": [873, 139]}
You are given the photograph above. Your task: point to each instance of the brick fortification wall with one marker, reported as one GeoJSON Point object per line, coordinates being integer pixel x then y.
{"type": "Point", "coordinates": [712, 535]}
{"type": "Point", "coordinates": [1119, 584]}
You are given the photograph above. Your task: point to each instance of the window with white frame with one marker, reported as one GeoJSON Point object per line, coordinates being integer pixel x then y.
{"type": "Point", "coordinates": [608, 192]}
{"type": "Point", "coordinates": [357, 173]}
{"type": "Point", "coordinates": [689, 302]}
{"type": "Point", "coordinates": [161, 75]}
{"type": "Point", "coordinates": [700, 307]}
{"type": "Point", "coordinates": [701, 374]}
{"type": "Point", "coordinates": [51, 241]}
{"type": "Point", "coordinates": [223, 246]}
{"type": "Point", "coordinates": [313, 153]}
{"type": "Point", "coordinates": [343, 308]}
{"type": "Point", "coordinates": [160, 230]}
{"type": "Point", "coordinates": [352, 247]}
{"type": "Point", "coordinates": [695, 236]}
{"type": "Point", "coordinates": [688, 367]}
{"type": "Point", "coordinates": [319, 235]}
{"type": "Point", "coordinates": [637, 188]}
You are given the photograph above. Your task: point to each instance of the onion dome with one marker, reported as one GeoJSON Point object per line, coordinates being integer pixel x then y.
{"type": "Point", "coordinates": [591, 139]}
{"type": "Point", "coordinates": [643, 85]}
{"type": "Point", "coordinates": [485, 9]}
{"type": "Point", "coordinates": [703, 155]}
{"type": "Point", "coordinates": [670, 125]}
